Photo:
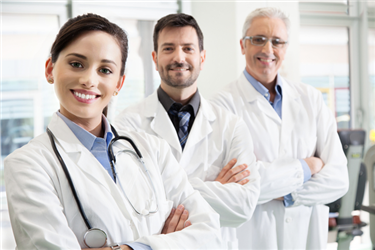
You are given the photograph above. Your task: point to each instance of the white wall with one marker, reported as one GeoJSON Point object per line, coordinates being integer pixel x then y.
{"type": "Point", "coordinates": [221, 24]}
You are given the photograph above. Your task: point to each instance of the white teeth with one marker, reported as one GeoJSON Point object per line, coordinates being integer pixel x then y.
{"type": "Point", "coordinates": [83, 96]}
{"type": "Point", "coordinates": [266, 60]}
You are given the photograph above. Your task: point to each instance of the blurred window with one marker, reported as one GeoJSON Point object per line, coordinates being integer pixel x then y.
{"type": "Point", "coordinates": [324, 64]}
{"type": "Point", "coordinates": [27, 101]}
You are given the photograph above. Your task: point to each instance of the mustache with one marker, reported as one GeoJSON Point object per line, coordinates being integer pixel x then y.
{"type": "Point", "coordinates": [179, 65]}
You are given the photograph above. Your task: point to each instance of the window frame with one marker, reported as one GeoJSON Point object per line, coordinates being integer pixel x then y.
{"type": "Point", "coordinates": [357, 21]}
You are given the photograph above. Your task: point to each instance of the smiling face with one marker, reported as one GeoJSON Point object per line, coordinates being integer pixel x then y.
{"type": "Point", "coordinates": [86, 75]}
{"type": "Point", "coordinates": [178, 58]}
{"type": "Point", "coordinates": [263, 62]}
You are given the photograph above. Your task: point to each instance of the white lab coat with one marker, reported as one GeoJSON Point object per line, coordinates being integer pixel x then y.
{"type": "Point", "coordinates": [215, 138]}
{"type": "Point", "coordinates": [44, 214]}
{"type": "Point", "coordinates": [307, 128]}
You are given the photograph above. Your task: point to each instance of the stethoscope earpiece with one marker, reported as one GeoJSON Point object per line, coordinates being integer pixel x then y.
{"type": "Point", "coordinates": [145, 212]}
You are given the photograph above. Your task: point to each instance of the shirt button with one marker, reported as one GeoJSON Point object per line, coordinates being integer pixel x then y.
{"type": "Point", "coordinates": [266, 94]}
{"type": "Point", "coordinates": [288, 220]}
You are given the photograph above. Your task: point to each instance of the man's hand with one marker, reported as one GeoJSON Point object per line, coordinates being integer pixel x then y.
{"type": "Point", "coordinates": [237, 174]}
{"type": "Point", "coordinates": [176, 221]}
{"type": "Point", "coordinates": [315, 164]}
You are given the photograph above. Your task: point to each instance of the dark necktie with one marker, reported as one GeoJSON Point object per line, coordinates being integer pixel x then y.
{"type": "Point", "coordinates": [183, 117]}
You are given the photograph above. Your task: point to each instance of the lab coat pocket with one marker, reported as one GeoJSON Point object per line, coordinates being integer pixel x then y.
{"type": "Point", "coordinates": [306, 147]}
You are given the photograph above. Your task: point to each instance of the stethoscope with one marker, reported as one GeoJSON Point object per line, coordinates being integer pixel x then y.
{"type": "Point", "coordinates": [95, 237]}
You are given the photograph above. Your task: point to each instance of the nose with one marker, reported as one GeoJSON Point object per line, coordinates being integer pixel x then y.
{"type": "Point", "coordinates": [179, 55]}
{"type": "Point", "coordinates": [267, 48]}
{"type": "Point", "coordinates": [89, 78]}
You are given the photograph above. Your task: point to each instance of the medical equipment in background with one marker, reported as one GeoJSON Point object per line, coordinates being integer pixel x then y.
{"type": "Point", "coordinates": [95, 237]}
{"type": "Point", "coordinates": [348, 227]}
{"type": "Point", "coordinates": [369, 161]}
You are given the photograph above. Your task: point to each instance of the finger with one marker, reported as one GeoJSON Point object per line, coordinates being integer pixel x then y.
{"type": "Point", "coordinates": [166, 224]}
{"type": "Point", "coordinates": [183, 218]}
{"type": "Point", "coordinates": [238, 177]}
{"type": "Point", "coordinates": [176, 217]}
{"type": "Point", "coordinates": [243, 182]}
{"type": "Point", "coordinates": [236, 171]}
{"type": "Point", "coordinates": [227, 167]}
{"type": "Point", "coordinates": [187, 224]}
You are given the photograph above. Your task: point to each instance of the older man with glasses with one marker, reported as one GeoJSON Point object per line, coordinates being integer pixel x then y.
{"type": "Point", "coordinates": [294, 134]}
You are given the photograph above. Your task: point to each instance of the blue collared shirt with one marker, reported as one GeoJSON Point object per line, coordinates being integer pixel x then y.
{"type": "Point", "coordinates": [99, 148]}
{"type": "Point", "coordinates": [277, 106]}
{"type": "Point", "coordinates": [96, 145]}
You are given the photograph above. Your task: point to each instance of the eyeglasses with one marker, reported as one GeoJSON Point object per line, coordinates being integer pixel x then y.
{"type": "Point", "coordinates": [261, 41]}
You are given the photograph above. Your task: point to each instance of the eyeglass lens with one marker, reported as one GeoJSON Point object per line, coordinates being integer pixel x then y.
{"type": "Point", "coordinates": [261, 40]}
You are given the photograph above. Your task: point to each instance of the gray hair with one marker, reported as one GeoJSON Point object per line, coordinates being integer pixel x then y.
{"type": "Point", "coordinates": [265, 12]}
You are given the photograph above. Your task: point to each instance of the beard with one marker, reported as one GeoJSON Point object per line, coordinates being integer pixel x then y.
{"type": "Point", "coordinates": [177, 80]}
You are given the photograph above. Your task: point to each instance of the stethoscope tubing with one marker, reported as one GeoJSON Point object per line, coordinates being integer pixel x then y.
{"type": "Point", "coordinates": [112, 161]}
{"type": "Point", "coordinates": [87, 222]}
{"type": "Point", "coordinates": [111, 155]}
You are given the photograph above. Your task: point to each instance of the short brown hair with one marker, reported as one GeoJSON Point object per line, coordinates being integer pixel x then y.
{"type": "Point", "coordinates": [177, 20]}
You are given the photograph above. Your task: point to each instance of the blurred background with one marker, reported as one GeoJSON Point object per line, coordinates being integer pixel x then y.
{"type": "Point", "coordinates": [331, 47]}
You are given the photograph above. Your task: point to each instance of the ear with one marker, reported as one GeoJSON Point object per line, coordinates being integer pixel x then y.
{"type": "Point", "coordinates": [155, 59]}
{"type": "Point", "coordinates": [203, 58]}
{"type": "Point", "coordinates": [242, 46]}
{"type": "Point", "coordinates": [120, 83]}
{"type": "Point", "coordinates": [49, 70]}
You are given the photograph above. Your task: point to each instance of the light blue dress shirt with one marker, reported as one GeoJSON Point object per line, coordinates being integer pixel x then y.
{"type": "Point", "coordinates": [99, 148]}
{"type": "Point", "coordinates": [277, 106]}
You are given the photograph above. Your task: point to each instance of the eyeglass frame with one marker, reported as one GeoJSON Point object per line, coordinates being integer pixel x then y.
{"type": "Point", "coordinates": [266, 41]}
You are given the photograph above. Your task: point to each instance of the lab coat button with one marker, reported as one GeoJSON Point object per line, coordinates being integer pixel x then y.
{"type": "Point", "coordinates": [288, 220]}
{"type": "Point", "coordinates": [299, 176]}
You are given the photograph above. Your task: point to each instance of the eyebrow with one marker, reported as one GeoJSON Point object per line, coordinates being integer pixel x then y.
{"type": "Point", "coordinates": [85, 58]}
{"type": "Point", "coordinates": [172, 44]}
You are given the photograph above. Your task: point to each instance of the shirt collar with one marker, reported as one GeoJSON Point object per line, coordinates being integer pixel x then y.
{"type": "Point", "coordinates": [263, 90]}
{"type": "Point", "coordinates": [167, 102]}
{"type": "Point", "coordinates": [86, 138]}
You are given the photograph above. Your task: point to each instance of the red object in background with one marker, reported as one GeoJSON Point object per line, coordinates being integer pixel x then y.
{"type": "Point", "coordinates": [356, 219]}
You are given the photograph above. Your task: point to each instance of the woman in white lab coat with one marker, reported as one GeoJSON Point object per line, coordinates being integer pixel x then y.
{"type": "Point", "coordinates": [87, 68]}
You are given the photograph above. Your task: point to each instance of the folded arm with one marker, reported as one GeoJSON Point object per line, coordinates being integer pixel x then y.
{"type": "Point", "coordinates": [234, 201]}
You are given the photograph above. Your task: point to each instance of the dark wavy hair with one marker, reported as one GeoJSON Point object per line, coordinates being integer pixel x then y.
{"type": "Point", "coordinates": [78, 25]}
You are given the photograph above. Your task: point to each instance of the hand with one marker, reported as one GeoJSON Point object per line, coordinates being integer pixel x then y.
{"type": "Point", "coordinates": [280, 198]}
{"type": "Point", "coordinates": [237, 174]}
{"type": "Point", "coordinates": [177, 220]}
{"type": "Point", "coordinates": [315, 164]}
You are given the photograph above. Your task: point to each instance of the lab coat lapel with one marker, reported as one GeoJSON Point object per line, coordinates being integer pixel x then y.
{"type": "Point", "coordinates": [83, 158]}
{"type": "Point", "coordinates": [77, 153]}
{"type": "Point", "coordinates": [200, 130]}
{"type": "Point", "coordinates": [161, 124]}
{"type": "Point", "coordinates": [251, 95]}
{"type": "Point", "coordinates": [290, 109]}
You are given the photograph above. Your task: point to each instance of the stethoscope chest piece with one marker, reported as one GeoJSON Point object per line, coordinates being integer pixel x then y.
{"type": "Point", "coordinates": [95, 238]}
